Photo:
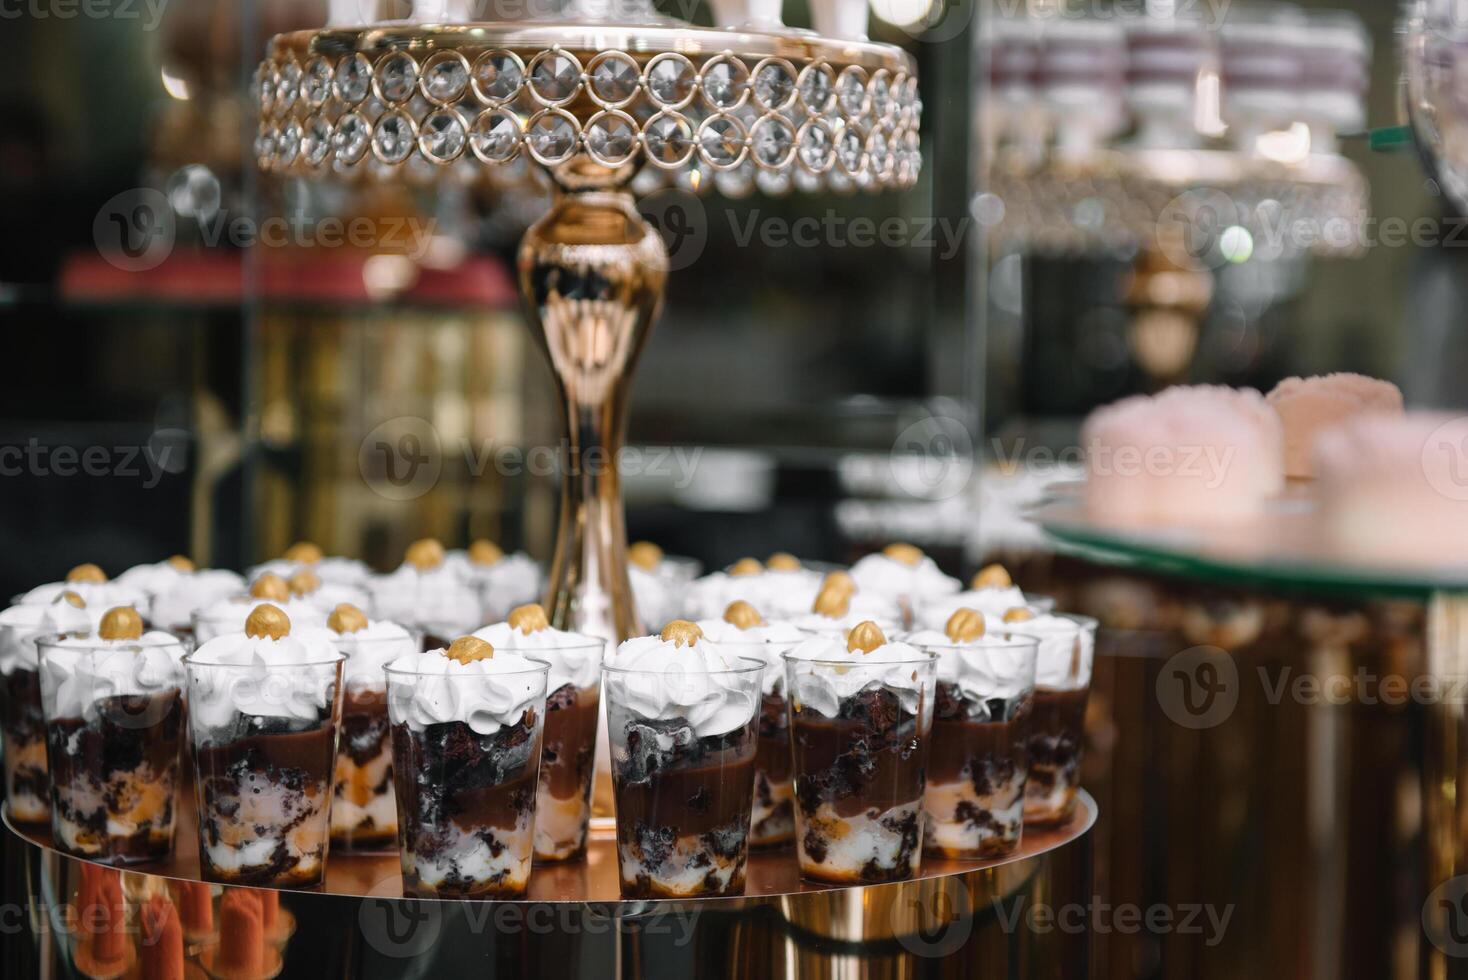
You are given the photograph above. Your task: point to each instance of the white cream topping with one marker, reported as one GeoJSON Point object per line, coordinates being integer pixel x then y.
{"type": "Point", "coordinates": [152, 578]}
{"type": "Point", "coordinates": [781, 594]}
{"type": "Point", "coordinates": [344, 571]}
{"type": "Point", "coordinates": [982, 669]}
{"type": "Point", "coordinates": [437, 601]}
{"type": "Point", "coordinates": [174, 606]}
{"type": "Point", "coordinates": [933, 612]}
{"type": "Point", "coordinates": [890, 577]}
{"type": "Point", "coordinates": [660, 680]}
{"type": "Point", "coordinates": [97, 595]}
{"type": "Point", "coordinates": [868, 609]}
{"type": "Point", "coordinates": [575, 659]}
{"type": "Point", "coordinates": [227, 616]}
{"type": "Point", "coordinates": [371, 649]}
{"type": "Point", "coordinates": [21, 626]}
{"type": "Point", "coordinates": [486, 695]}
{"type": "Point", "coordinates": [79, 671]}
{"type": "Point", "coordinates": [769, 642]}
{"type": "Point", "coordinates": [329, 595]}
{"type": "Point", "coordinates": [235, 674]}
{"type": "Point", "coordinates": [1067, 648]}
{"type": "Point", "coordinates": [653, 596]}
{"type": "Point", "coordinates": [842, 673]}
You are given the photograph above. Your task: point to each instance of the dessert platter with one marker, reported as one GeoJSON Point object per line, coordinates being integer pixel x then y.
{"type": "Point", "coordinates": [834, 778]}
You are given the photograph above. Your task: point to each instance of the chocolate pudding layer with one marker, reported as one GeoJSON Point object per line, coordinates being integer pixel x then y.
{"type": "Point", "coordinates": [1057, 732]}
{"type": "Point", "coordinates": [976, 776]}
{"type": "Point", "coordinates": [364, 813]}
{"type": "Point", "coordinates": [27, 785]}
{"type": "Point", "coordinates": [683, 805]}
{"type": "Point", "coordinates": [859, 780]}
{"type": "Point", "coordinates": [772, 821]}
{"type": "Point", "coordinates": [113, 780]}
{"type": "Point", "coordinates": [466, 808]}
{"type": "Point", "coordinates": [567, 768]}
{"type": "Point", "coordinates": [263, 802]}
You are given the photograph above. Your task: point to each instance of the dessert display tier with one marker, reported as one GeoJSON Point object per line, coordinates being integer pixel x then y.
{"type": "Point", "coordinates": [1285, 547]}
{"type": "Point", "coordinates": [953, 918]}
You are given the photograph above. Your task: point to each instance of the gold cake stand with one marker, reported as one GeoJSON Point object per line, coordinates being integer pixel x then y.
{"type": "Point", "coordinates": [592, 103]}
{"type": "Point", "coordinates": [1023, 916]}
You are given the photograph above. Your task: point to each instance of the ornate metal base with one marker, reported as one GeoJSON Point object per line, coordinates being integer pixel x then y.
{"type": "Point", "coordinates": [1025, 916]}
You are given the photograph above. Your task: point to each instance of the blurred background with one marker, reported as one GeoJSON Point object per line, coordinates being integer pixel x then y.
{"type": "Point", "coordinates": [1115, 197]}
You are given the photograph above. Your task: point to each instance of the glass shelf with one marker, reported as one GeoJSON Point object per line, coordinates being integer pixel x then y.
{"type": "Point", "coordinates": [1286, 547]}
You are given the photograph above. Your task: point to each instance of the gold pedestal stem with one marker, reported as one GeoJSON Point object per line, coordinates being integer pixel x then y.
{"type": "Point", "coordinates": [592, 274]}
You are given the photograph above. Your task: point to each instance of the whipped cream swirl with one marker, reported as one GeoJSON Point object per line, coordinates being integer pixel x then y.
{"type": "Point", "coordinates": [933, 612]}
{"type": "Point", "coordinates": [1067, 648]}
{"type": "Point", "coordinates": [437, 601]}
{"type": "Point", "coordinates": [290, 678]}
{"type": "Point", "coordinates": [430, 689]}
{"type": "Point", "coordinates": [889, 577]}
{"type": "Point", "coordinates": [369, 650]}
{"type": "Point", "coordinates": [174, 604]}
{"type": "Point", "coordinates": [79, 670]}
{"type": "Point", "coordinates": [21, 626]}
{"type": "Point", "coordinates": [343, 571]}
{"type": "Point", "coordinates": [658, 679]}
{"type": "Point", "coordinates": [826, 673]}
{"type": "Point", "coordinates": [227, 616]}
{"type": "Point", "coordinates": [769, 641]}
{"type": "Point", "coordinates": [574, 658]}
{"type": "Point", "coordinates": [982, 669]}
{"type": "Point", "coordinates": [97, 595]}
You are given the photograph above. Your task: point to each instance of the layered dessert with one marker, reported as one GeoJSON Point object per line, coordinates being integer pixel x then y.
{"type": "Point", "coordinates": [176, 590]}
{"type": "Point", "coordinates": [903, 574]}
{"type": "Point", "coordinates": [466, 737]}
{"type": "Point", "coordinates": [228, 616]}
{"type": "Point", "coordinates": [977, 765]}
{"type": "Point", "coordinates": [839, 607]}
{"type": "Point", "coordinates": [1067, 647]}
{"type": "Point", "coordinates": [264, 707]}
{"type": "Point", "coordinates": [991, 592]}
{"type": "Point", "coordinates": [307, 555]}
{"type": "Point", "coordinates": [572, 711]}
{"type": "Point", "coordinates": [743, 632]}
{"type": "Point", "coordinates": [658, 584]}
{"type": "Point", "coordinates": [113, 702]}
{"type": "Point", "coordinates": [22, 722]}
{"type": "Point", "coordinates": [681, 716]}
{"type": "Point", "coordinates": [503, 581]}
{"type": "Point", "coordinates": [426, 593]}
{"type": "Point", "coordinates": [860, 722]}
{"type": "Point", "coordinates": [364, 812]}
{"type": "Point", "coordinates": [90, 583]}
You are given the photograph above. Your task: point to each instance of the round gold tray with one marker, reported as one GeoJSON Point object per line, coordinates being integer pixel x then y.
{"type": "Point", "coordinates": [1021, 916]}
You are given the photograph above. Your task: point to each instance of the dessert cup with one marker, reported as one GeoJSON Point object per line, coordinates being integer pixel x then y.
{"type": "Point", "coordinates": [742, 633]}
{"type": "Point", "coordinates": [861, 713]}
{"type": "Point", "coordinates": [1057, 724]}
{"type": "Point", "coordinates": [681, 719]}
{"type": "Point", "coordinates": [467, 725]}
{"type": "Point", "coordinates": [429, 594]}
{"type": "Point", "coordinates": [113, 705]}
{"type": "Point", "coordinates": [22, 723]}
{"type": "Point", "coordinates": [364, 811]}
{"type": "Point", "coordinates": [228, 615]}
{"type": "Point", "coordinates": [572, 713]}
{"type": "Point", "coordinates": [977, 766]}
{"type": "Point", "coordinates": [264, 711]}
